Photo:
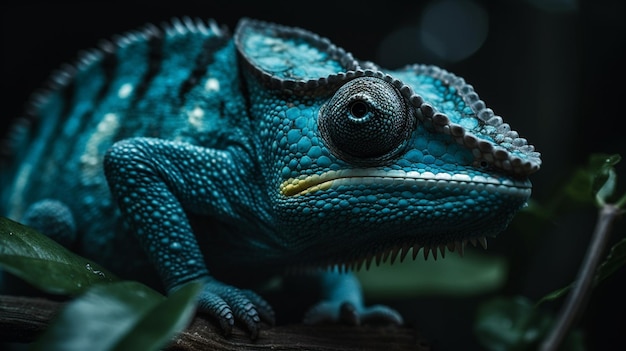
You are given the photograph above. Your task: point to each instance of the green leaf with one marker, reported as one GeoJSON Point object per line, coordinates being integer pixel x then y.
{"type": "Point", "coordinates": [595, 182]}
{"type": "Point", "coordinates": [578, 187]}
{"type": "Point", "coordinates": [556, 294]}
{"type": "Point", "coordinates": [607, 188]}
{"type": "Point", "coordinates": [99, 318]}
{"type": "Point", "coordinates": [162, 323]}
{"type": "Point", "coordinates": [119, 316]}
{"type": "Point", "coordinates": [603, 176]}
{"type": "Point", "coordinates": [507, 324]}
{"type": "Point", "coordinates": [44, 263]}
{"type": "Point", "coordinates": [614, 261]}
{"type": "Point", "coordinates": [510, 324]}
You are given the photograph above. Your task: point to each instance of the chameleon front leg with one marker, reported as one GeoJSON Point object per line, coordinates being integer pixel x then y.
{"type": "Point", "coordinates": [154, 183]}
{"type": "Point", "coordinates": [342, 301]}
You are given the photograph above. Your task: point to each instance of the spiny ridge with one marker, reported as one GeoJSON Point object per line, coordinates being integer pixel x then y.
{"type": "Point", "coordinates": [396, 252]}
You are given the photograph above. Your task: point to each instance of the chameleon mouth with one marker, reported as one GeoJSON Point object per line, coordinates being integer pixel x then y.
{"type": "Point", "coordinates": [364, 176]}
{"type": "Point", "coordinates": [392, 254]}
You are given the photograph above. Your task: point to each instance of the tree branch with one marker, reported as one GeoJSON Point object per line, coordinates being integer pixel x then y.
{"type": "Point", "coordinates": [22, 319]}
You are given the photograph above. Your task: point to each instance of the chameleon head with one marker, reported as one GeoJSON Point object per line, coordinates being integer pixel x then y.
{"type": "Point", "coordinates": [379, 159]}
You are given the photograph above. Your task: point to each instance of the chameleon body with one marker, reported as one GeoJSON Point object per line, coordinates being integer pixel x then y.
{"type": "Point", "coordinates": [180, 153]}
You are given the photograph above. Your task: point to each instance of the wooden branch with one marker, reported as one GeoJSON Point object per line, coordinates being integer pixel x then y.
{"type": "Point", "coordinates": [22, 319]}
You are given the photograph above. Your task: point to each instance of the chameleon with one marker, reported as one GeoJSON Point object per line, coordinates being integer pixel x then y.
{"type": "Point", "coordinates": [183, 152]}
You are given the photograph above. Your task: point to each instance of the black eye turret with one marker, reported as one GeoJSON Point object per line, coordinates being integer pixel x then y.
{"type": "Point", "coordinates": [367, 118]}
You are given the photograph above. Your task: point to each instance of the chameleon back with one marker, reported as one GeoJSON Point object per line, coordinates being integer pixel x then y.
{"type": "Point", "coordinates": [173, 82]}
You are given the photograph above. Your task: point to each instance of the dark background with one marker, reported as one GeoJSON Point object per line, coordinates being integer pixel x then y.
{"type": "Point", "coordinates": [553, 69]}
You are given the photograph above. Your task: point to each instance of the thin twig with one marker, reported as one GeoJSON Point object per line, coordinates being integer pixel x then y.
{"type": "Point", "coordinates": [578, 297]}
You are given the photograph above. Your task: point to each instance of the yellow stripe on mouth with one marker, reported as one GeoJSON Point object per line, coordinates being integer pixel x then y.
{"type": "Point", "coordinates": [316, 182]}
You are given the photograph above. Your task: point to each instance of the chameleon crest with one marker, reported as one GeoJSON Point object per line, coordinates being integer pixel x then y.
{"type": "Point", "coordinates": [181, 153]}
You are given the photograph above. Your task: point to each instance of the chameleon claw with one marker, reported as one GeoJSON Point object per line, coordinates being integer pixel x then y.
{"type": "Point", "coordinates": [226, 324]}
{"type": "Point", "coordinates": [216, 307]}
{"type": "Point", "coordinates": [228, 305]}
{"type": "Point", "coordinates": [264, 310]}
{"type": "Point", "coordinates": [249, 316]}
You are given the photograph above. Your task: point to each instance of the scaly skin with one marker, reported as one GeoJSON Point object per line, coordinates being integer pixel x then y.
{"type": "Point", "coordinates": [180, 153]}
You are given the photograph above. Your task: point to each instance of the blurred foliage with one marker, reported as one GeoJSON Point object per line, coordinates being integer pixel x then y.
{"type": "Point", "coordinates": [44, 263]}
{"type": "Point", "coordinates": [474, 273]}
{"type": "Point", "coordinates": [135, 318]}
{"type": "Point", "coordinates": [516, 323]}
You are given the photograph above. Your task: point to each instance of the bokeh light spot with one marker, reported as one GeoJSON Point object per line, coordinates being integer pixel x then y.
{"type": "Point", "coordinates": [445, 31]}
{"type": "Point", "coordinates": [453, 30]}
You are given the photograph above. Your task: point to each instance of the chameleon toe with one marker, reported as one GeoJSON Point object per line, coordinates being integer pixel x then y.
{"type": "Point", "coordinates": [263, 308]}
{"type": "Point", "coordinates": [348, 314]}
{"type": "Point", "coordinates": [381, 314]}
{"type": "Point", "coordinates": [246, 313]}
{"type": "Point", "coordinates": [351, 314]}
{"type": "Point", "coordinates": [323, 312]}
{"type": "Point", "coordinates": [230, 306]}
{"type": "Point", "coordinates": [217, 308]}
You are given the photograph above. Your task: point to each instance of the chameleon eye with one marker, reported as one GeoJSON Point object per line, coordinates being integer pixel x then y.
{"type": "Point", "coordinates": [358, 109]}
{"type": "Point", "coordinates": [366, 118]}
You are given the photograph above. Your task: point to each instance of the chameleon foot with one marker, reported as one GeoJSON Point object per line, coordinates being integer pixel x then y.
{"type": "Point", "coordinates": [53, 219]}
{"type": "Point", "coordinates": [351, 313]}
{"type": "Point", "coordinates": [228, 305]}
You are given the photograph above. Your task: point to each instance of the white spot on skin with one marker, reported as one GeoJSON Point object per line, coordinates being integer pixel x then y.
{"type": "Point", "coordinates": [91, 159]}
{"type": "Point", "coordinates": [196, 116]}
{"type": "Point", "coordinates": [212, 84]}
{"type": "Point", "coordinates": [125, 91]}
{"type": "Point", "coordinates": [16, 200]}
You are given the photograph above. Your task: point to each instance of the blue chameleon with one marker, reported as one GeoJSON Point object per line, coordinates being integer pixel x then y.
{"type": "Point", "coordinates": [181, 152]}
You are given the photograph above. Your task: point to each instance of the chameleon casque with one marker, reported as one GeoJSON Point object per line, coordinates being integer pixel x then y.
{"type": "Point", "coordinates": [180, 152]}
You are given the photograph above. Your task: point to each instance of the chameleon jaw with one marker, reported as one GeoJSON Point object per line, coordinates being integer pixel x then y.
{"type": "Point", "coordinates": [318, 182]}
{"type": "Point", "coordinates": [396, 253]}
